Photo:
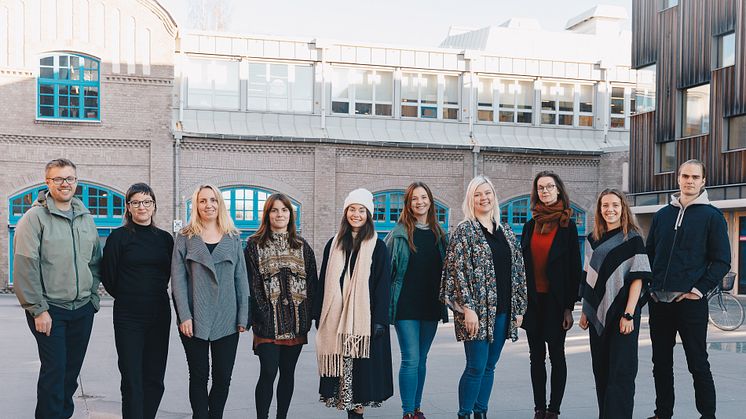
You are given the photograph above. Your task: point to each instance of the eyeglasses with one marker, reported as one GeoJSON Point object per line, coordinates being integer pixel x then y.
{"type": "Point", "coordinates": [548, 188]}
{"type": "Point", "coordinates": [60, 180]}
{"type": "Point", "coordinates": [147, 203]}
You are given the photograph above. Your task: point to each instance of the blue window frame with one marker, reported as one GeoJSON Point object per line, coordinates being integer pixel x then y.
{"type": "Point", "coordinates": [105, 205]}
{"type": "Point", "coordinates": [246, 206]}
{"type": "Point", "coordinates": [69, 87]}
{"type": "Point", "coordinates": [517, 212]}
{"type": "Point", "coordinates": [388, 205]}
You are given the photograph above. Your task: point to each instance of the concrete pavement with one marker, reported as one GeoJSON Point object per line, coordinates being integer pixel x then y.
{"type": "Point", "coordinates": [99, 395]}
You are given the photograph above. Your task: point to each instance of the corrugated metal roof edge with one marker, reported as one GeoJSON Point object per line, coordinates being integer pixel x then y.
{"type": "Point", "coordinates": [271, 138]}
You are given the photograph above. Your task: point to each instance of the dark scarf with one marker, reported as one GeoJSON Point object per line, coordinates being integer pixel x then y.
{"type": "Point", "coordinates": [548, 216]}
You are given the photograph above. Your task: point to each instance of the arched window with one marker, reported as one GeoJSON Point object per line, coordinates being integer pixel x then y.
{"type": "Point", "coordinates": [518, 210]}
{"type": "Point", "coordinates": [246, 206]}
{"type": "Point", "coordinates": [389, 205]}
{"type": "Point", "coordinates": [105, 205]}
{"type": "Point", "coordinates": [68, 87]}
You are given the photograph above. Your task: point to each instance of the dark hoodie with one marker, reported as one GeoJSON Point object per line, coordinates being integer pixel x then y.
{"type": "Point", "coordinates": [688, 248]}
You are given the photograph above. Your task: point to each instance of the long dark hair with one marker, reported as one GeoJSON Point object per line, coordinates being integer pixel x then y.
{"type": "Point", "coordinates": [561, 190]}
{"type": "Point", "coordinates": [137, 188]}
{"type": "Point", "coordinates": [345, 241]}
{"type": "Point", "coordinates": [627, 219]}
{"type": "Point", "coordinates": [409, 221]}
{"type": "Point", "coordinates": [262, 236]}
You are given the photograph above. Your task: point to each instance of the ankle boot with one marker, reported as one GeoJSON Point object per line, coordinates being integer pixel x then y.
{"type": "Point", "coordinates": [540, 414]}
{"type": "Point", "coordinates": [464, 416]}
{"type": "Point", "coordinates": [351, 414]}
{"type": "Point", "coordinates": [551, 415]}
{"type": "Point", "coordinates": [480, 415]}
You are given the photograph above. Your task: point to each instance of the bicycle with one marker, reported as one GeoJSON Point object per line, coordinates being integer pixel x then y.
{"type": "Point", "coordinates": [726, 312]}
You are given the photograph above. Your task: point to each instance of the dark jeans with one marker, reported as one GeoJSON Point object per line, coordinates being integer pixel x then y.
{"type": "Point", "coordinates": [271, 359]}
{"type": "Point", "coordinates": [61, 355]}
{"type": "Point", "coordinates": [548, 334]}
{"type": "Point", "coordinates": [415, 338]}
{"type": "Point", "coordinates": [689, 319]}
{"type": "Point", "coordinates": [614, 358]}
{"type": "Point", "coordinates": [475, 386]}
{"type": "Point", "coordinates": [141, 338]}
{"type": "Point", "coordinates": [204, 405]}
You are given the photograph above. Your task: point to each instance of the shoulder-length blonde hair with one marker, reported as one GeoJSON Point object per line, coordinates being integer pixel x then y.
{"type": "Point", "coordinates": [468, 204]}
{"type": "Point", "coordinates": [195, 226]}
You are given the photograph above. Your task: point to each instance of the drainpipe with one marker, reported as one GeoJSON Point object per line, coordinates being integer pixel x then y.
{"type": "Point", "coordinates": [469, 57]}
{"type": "Point", "coordinates": [178, 135]}
{"type": "Point", "coordinates": [321, 47]}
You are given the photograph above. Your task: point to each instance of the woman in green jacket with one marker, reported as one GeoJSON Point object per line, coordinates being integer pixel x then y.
{"type": "Point", "coordinates": [417, 247]}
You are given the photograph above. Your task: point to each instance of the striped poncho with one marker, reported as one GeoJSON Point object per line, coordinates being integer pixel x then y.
{"type": "Point", "coordinates": [611, 264]}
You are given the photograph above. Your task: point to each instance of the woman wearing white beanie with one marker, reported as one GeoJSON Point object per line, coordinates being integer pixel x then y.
{"type": "Point", "coordinates": [353, 344]}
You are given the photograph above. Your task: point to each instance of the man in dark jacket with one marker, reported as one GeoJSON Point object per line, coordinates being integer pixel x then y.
{"type": "Point", "coordinates": [689, 253]}
{"type": "Point", "coordinates": [56, 270]}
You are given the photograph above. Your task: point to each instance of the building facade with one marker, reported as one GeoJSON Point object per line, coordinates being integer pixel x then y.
{"type": "Point", "coordinates": [115, 87]}
{"type": "Point", "coordinates": [691, 103]}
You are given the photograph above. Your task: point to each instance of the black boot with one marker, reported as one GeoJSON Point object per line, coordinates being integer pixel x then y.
{"type": "Point", "coordinates": [480, 415]}
{"type": "Point", "coordinates": [351, 414]}
{"type": "Point", "coordinates": [464, 416]}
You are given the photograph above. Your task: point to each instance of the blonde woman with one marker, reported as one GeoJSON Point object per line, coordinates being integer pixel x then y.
{"type": "Point", "coordinates": [211, 295]}
{"type": "Point", "coordinates": [484, 283]}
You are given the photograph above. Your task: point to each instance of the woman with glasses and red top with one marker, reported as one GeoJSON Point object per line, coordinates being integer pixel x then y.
{"type": "Point", "coordinates": [552, 257]}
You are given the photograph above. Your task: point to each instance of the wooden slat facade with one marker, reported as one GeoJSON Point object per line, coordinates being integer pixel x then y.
{"type": "Point", "coordinates": [685, 38]}
{"type": "Point", "coordinates": [644, 32]}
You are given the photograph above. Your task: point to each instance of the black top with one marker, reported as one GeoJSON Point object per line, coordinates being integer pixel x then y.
{"type": "Point", "coordinates": [137, 263]}
{"type": "Point", "coordinates": [420, 291]}
{"type": "Point", "coordinates": [211, 246]}
{"type": "Point", "coordinates": [502, 260]}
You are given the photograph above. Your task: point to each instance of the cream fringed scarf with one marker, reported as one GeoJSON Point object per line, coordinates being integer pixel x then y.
{"type": "Point", "coordinates": [344, 326]}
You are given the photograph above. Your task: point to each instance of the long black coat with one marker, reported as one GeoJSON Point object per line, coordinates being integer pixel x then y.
{"type": "Point", "coordinates": [563, 273]}
{"type": "Point", "coordinates": [372, 378]}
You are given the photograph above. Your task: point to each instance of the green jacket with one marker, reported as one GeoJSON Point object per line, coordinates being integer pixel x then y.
{"type": "Point", "coordinates": [56, 259]}
{"type": "Point", "coordinates": [398, 244]}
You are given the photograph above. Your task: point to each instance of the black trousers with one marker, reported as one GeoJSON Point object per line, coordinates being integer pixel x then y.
{"type": "Point", "coordinates": [689, 319]}
{"type": "Point", "coordinates": [548, 335]}
{"type": "Point", "coordinates": [614, 358]}
{"type": "Point", "coordinates": [271, 359]}
{"type": "Point", "coordinates": [61, 355]}
{"type": "Point", "coordinates": [141, 335]}
{"type": "Point", "coordinates": [209, 405]}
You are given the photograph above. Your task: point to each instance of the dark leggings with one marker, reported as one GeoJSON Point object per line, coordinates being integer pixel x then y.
{"type": "Point", "coordinates": [548, 335]}
{"type": "Point", "coordinates": [271, 359]}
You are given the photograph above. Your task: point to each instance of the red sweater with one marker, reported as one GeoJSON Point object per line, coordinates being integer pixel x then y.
{"type": "Point", "coordinates": [540, 245]}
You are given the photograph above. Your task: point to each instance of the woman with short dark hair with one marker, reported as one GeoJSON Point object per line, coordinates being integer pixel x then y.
{"type": "Point", "coordinates": [136, 268]}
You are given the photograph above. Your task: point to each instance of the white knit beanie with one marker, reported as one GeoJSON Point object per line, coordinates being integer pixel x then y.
{"type": "Point", "coordinates": [359, 196]}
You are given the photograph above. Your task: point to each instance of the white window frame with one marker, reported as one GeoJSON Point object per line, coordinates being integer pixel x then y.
{"type": "Point", "coordinates": [290, 93]}
{"type": "Point", "coordinates": [647, 104]}
{"type": "Point", "coordinates": [497, 106]}
{"type": "Point", "coordinates": [439, 105]}
{"type": "Point", "coordinates": [626, 111]}
{"type": "Point", "coordinates": [684, 111]}
{"type": "Point", "coordinates": [212, 89]}
{"type": "Point", "coordinates": [575, 113]}
{"type": "Point", "coordinates": [352, 100]}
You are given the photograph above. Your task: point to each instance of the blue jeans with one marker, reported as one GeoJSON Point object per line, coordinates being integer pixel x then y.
{"type": "Point", "coordinates": [415, 338]}
{"type": "Point", "coordinates": [475, 386]}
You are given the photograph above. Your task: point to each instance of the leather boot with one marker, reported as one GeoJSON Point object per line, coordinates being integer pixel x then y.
{"type": "Point", "coordinates": [464, 416]}
{"type": "Point", "coordinates": [551, 415]}
{"type": "Point", "coordinates": [351, 414]}
{"type": "Point", "coordinates": [480, 415]}
{"type": "Point", "coordinates": [540, 414]}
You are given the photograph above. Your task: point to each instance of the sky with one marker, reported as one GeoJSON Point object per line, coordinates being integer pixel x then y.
{"type": "Point", "coordinates": [399, 22]}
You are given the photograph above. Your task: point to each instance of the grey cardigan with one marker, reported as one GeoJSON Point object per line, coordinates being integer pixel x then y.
{"type": "Point", "coordinates": [210, 289]}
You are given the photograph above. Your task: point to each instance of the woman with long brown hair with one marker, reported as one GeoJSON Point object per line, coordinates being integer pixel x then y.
{"type": "Point", "coordinates": [282, 280]}
{"type": "Point", "coordinates": [417, 246]}
{"type": "Point", "coordinates": [353, 347]}
{"type": "Point", "coordinates": [552, 256]}
{"type": "Point", "coordinates": [617, 274]}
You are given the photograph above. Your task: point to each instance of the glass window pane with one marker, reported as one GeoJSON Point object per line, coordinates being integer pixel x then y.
{"type": "Point", "coordinates": [363, 108]}
{"type": "Point", "coordinates": [525, 117]}
{"type": "Point", "coordinates": [409, 87]}
{"type": "Point", "coordinates": [340, 84]}
{"type": "Point", "coordinates": [586, 98]}
{"type": "Point", "coordinates": [583, 120]}
{"type": "Point", "coordinates": [484, 95]}
{"type": "Point", "coordinates": [507, 90]}
{"type": "Point", "coordinates": [364, 81]}
{"type": "Point", "coordinates": [484, 115]}
{"type": "Point", "coordinates": [409, 111]}
{"type": "Point", "coordinates": [548, 97]}
{"type": "Point", "coordinates": [525, 95]}
{"type": "Point", "coordinates": [737, 132]}
{"type": "Point", "coordinates": [383, 110]}
{"type": "Point", "coordinates": [450, 95]}
{"type": "Point", "coordinates": [302, 84]}
{"type": "Point", "coordinates": [46, 72]}
{"type": "Point", "coordinates": [506, 116]}
{"type": "Point", "coordinates": [548, 118]}
{"type": "Point", "coordinates": [645, 89]}
{"type": "Point", "coordinates": [726, 50]}
{"type": "Point", "coordinates": [617, 122]}
{"type": "Point", "coordinates": [450, 113]}
{"type": "Point", "coordinates": [667, 156]}
{"type": "Point", "coordinates": [384, 87]}
{"type": "Point", "coordinates": [565, 119]}
{"type": "Point", "coordinates": [428, 88]}
{"type": "Point", "coordinates": [696, 112]}
{"type": "Point", "coordinates": [48, 61]}
{"type": "Point", "coordinates": [278, 80]}
{"type": "Point", "coordinates": [617, 100]}
{"type": "Point", "coordinates": [257, 80]}
{"type": "Point", "coordinates": [340, 107]}
{"type": "Point", "coordinates": [429, 112]}
{"type": "Point", "coordinates": [565, 95]}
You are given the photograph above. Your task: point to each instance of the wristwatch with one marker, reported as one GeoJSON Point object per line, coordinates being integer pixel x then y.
{"type": "Point", "coordinates": [627, 316]}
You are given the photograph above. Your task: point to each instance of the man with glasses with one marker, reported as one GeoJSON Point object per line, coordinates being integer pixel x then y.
{"type": "Point", "coordinates": [56, 272]}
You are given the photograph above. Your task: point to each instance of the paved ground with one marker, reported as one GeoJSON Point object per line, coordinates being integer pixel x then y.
{"type": "Point", "coordinates": [99, 396]}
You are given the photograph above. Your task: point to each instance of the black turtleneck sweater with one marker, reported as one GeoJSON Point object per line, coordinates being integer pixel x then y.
{"type": "Point", "coordinates": [137, 264]}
